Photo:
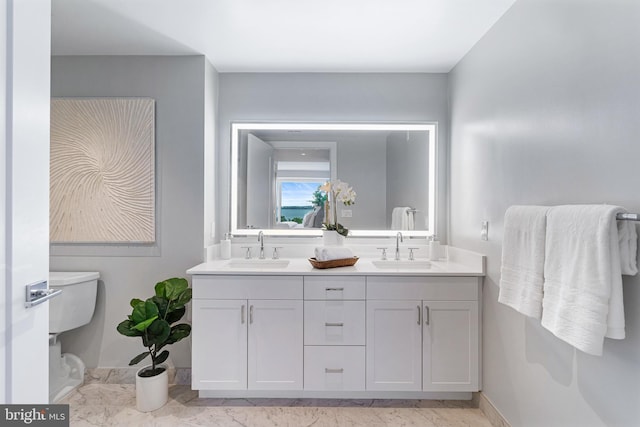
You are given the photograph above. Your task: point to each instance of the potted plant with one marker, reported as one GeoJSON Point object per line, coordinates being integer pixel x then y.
{"type": "Point", "coordinates": [153, 320]}
{"type": "Point", "coordinates": [337, 192]}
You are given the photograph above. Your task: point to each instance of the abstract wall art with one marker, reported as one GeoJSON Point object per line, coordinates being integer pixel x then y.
{"type": "Point", "coordinates": [102, 187]}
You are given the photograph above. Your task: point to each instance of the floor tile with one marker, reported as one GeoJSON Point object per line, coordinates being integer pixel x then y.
{"type": "Point", "coordinates": [114, 405]}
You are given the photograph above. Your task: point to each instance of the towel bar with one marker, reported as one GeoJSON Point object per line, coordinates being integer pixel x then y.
{"type": "Point", "coordinates": [628, 217]}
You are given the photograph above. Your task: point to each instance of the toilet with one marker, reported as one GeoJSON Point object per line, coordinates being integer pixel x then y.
{"type": "Point", "coordinates": [73, 308]}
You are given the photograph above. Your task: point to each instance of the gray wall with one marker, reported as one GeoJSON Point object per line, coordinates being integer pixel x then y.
{"type": "Point", "coordinates": [407, 154]}
{"type": "Point", "coordinates": [362, 163]}
{"type": "Point", "coordinates": [544, 110]}
{"type": "Point", "coordinates": [178, 86]}
{"type": "Point", "coordinates": [328, 97]}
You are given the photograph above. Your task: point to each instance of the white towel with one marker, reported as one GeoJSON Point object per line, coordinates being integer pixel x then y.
{"type": "Point", "coordinates": [327, 253]}
{"type": "Point", "coordinates": [583, 285]}
{"type": "Point", "coordinates": [521, 274]}
{"type": "Point", "coordinates": [628, 243]}
{"type": "Point", "coordinates": [401, 219]}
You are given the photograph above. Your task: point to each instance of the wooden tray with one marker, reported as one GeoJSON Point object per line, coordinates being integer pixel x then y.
{"type": "Point", "coordinates": [344, 262]}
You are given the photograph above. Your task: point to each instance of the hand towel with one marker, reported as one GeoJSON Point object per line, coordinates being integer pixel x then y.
{"type": "Point", "coordinates": [400, 218]}
{"type": "Point", "coordinates": [583, 285]}
{"type": "Point", "coordinates": [327, 253]}
{"type": "Point", "coordinates": [411, 219]}
{"type": "Point", "coordinates": [628, 243]}
{"type": "Point", "coordinates": [523, 251]}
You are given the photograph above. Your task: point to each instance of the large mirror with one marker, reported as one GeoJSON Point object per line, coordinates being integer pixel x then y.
{"type": "Point", "coordinates": [277, 168]}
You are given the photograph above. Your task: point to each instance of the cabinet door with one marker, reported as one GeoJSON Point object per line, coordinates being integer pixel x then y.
{"type": "Point", "coordinates": [450, 346]}
{"type": "Point", "coordinates": [275, 345]}
{"type": "Point", "coordinates": [219, 346]}
{"type": "Point", "coordinates": [394, 345]}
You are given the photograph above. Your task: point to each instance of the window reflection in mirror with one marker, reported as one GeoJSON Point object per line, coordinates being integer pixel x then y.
{"type": "Point", "coordinates": [278, 167]}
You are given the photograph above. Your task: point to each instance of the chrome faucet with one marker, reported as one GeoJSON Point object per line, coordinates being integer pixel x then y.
{"type": "Point", "coordinates": [399, 239]}
{"type": "Point", "coordinates": [261, 240]}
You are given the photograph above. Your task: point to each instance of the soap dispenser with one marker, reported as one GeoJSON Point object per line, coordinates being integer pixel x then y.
{"type": "Point", "coordinates": [225, 247]}
{"type": "Point", "coordinates": [434, 248]}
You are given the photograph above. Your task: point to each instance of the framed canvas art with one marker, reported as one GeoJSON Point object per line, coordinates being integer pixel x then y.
{"type": "Point", "coordinates": [102, 187]}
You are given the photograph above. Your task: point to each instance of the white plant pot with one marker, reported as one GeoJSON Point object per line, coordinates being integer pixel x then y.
{"type": "Point", "coordinates": [332, 238]}
{"type": "Point", "coordinates": [152, 392]}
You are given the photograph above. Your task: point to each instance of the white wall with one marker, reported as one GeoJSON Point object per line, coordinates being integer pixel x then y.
{"type": "Point", "coordinates": [326, 97]}
{"type": "Point", "coordinates": [210, 137]}
{"type": "Point", "coordinates": [178, 86]}
{"type": "Point", "coordinates": [545, 110]}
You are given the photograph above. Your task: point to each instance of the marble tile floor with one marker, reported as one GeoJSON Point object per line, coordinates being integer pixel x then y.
{"type": "Point", "coordinates": [114, 405]}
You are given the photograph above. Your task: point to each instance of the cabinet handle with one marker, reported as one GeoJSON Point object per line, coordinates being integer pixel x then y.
{"type": "Point", "coordinates": [251, 314]}
{"type": "Point", "coordinates": [418, 315]}
{"type": "Point", "coordinates": [335, 289]}
{"type": "Point", "coordinates": [333, 324]}
{"type": "Point", "coordinates": [333, 371]}
{"type": "Point", "coordinates": [242, 314]}
{"type": "Point", "coordinates": [427, 316]}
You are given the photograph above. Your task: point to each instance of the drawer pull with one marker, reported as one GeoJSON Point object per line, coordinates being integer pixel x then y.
{"type": "Point", "coordinates": [427, 315]}
{"type": "Point", "coordinates": [333, 324]}
{"type": "Point", "coordinates": [334, 289]}
{"type": "Point", "coordinates": [333, 371]}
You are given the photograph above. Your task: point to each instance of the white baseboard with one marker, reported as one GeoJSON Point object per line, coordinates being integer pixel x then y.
{"type": "Point", "coordinates": [489, 410]}
{"type": "Point", "coordinates": [335, 394]}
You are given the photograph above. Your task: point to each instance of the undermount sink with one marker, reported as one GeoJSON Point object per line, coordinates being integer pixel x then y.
{"type": "Point", "coordinates": [391, 263]}
{"type": "Point", "coordinates": [258, 263]}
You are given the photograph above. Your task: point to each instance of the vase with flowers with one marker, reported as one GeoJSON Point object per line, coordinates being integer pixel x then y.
{"type": "Point", "coordinates": [337, 192]}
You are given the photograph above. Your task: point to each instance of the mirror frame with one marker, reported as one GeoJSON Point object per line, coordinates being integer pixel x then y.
{"type": "Point", "coordinates": [236, 127]}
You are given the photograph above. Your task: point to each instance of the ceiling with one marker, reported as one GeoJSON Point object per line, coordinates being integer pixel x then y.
{"type": "Point", "coordinates": [280, 35]}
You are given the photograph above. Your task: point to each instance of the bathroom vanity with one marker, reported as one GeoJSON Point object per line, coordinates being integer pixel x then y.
{"type": "Point", "coordinates": [382, 330]}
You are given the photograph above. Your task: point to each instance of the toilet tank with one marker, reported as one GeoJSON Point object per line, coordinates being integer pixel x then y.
{"type": "Point", "coordinates": [74, 307]}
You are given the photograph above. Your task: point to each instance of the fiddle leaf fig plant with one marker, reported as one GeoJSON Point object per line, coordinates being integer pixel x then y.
{"type": "Point", "coordinates": [153, 320]}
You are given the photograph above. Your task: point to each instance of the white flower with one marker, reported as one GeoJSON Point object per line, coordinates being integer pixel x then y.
{"type": "Point", "coordinates": [340, 192]}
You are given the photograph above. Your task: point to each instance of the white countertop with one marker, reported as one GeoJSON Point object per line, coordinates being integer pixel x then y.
{"type": "Point", "coordinates": [459, 263]}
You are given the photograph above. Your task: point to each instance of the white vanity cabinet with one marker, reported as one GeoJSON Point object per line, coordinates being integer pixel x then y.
{"type": "Point", "coordinates": [423, 334]}
{"type": "Point", "coordinates": [326, 334]}
{"type": "Point", "coordinates": [247, 333]}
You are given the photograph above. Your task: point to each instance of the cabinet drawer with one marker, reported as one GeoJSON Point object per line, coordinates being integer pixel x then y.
{"type": "Point", "coordinates": [334, 368]}
{"type": "Point", "coordinates": [334, 287]}
{"type": "Point", "coordinates": [423, 288]}
{"type": "Point", "coordinates": [247, 287]}
{"type": "Point", "coordinates": [334, 322]}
